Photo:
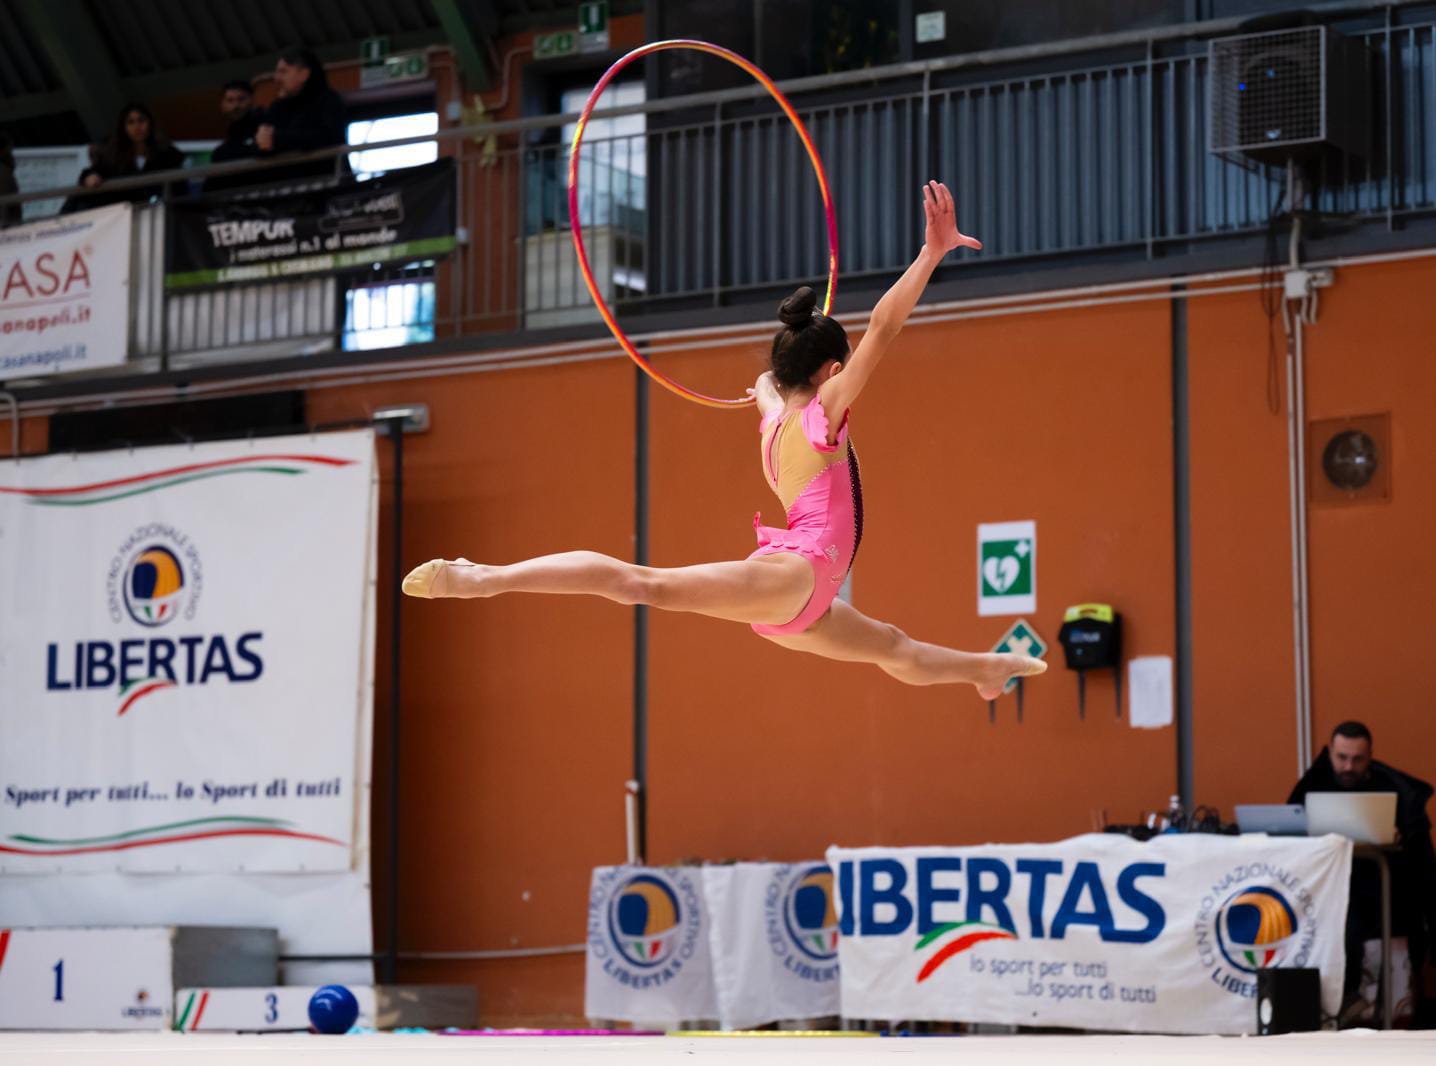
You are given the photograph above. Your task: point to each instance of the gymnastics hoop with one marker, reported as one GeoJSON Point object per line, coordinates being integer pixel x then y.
{"type": "Point", "coordinates": [602, 304]}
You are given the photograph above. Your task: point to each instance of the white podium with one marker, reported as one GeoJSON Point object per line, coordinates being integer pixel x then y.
{"type": "Point", "coordinates": [121, 978]}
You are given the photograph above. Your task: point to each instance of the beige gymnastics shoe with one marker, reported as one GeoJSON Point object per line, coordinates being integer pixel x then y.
{"type": "Point", "coordinates": [421, 580]}
{"type": "Point", "coordinates": [433, 580]}
{"type": "Point", "coordinates": [1004, 667]}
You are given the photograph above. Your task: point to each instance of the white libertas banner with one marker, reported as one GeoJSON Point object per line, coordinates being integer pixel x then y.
{"type": "Point", "coordinates": [774, 935]}
{"type": "Point", "coordinates": [1096, 932]}
{"type": "Point", "coordinates": [64, 293]}
{"type": "Point", "coordinates": [648, 946]}
{"type": "Point", "coordinates": [185, 640]}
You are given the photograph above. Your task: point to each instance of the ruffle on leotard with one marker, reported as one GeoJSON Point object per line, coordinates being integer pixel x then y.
{"type": "Point", "coordinates": [815, 426]}
{"type": "Point", "coordinates": [771, 539]}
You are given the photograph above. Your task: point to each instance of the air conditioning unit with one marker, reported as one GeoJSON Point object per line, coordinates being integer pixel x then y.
{"type": "Point", "coordinates": [1289, 94]}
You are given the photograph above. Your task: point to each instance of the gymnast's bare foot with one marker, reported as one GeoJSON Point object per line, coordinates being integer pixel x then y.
{"type": "Point", "coordinates": [998, 669]}
{"type": "Point", "coordinates": [445, 579]}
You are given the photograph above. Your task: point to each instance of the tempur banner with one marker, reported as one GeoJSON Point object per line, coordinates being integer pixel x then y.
{"type": "Point", "coordinates": [404, 215]}
{"type": "Point", "coordinates": [1096, 932]}
{"type": "Point", "coordinates": [185, 647]}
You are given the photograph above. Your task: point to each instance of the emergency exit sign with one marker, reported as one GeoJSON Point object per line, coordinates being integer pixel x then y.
{"type": "Point", "coordinates": [553, 45]}
{"type": "Point", "coordinates": [593, 26]}
{"type": "Point", "coordinates": [374, 50]}
{"type": "Point", "coordinates": [406, 66]}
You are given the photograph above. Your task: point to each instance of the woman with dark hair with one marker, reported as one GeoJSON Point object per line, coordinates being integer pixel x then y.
{"type": "Point", "coordinates": [787, 589]}
{"type": "Point", "coordinates": [308, 115]}
{"type": "Point", "coordinates": [135, 147]}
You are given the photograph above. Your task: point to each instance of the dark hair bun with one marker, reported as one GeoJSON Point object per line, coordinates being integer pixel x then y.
{"type": "Point", "coordinates": [797, 310]}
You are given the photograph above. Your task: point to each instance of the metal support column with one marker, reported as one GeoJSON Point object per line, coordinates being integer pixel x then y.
{"type": "Point", "coordinates": [395, 427]}
{"type": "Point", "coordinates": [1182, 548]}
{"type": "Point", "coordinates": [640, 611]}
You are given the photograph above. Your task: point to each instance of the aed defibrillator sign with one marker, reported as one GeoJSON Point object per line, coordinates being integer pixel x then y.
{"type": "Point", "coordinates": [1006, 568]}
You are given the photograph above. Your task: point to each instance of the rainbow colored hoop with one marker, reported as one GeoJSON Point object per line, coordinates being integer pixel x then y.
{"type": "Point", "coordinates": [602, 304]}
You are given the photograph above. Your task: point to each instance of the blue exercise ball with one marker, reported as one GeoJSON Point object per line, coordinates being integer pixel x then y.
{"type": "Point", "coordinates": [333, 1010]}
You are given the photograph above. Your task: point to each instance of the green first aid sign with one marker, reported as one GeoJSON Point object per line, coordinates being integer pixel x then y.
{"type": "Point", "coordinates": [1021, 639]}
{"type": "Point", "coordinates": [1006, 568]}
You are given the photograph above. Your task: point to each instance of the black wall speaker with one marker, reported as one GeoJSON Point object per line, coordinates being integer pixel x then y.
{"type": "Point", "coordinates": [1288, 1001]}
{"type": "Point", "coordinates": [1289, 94]}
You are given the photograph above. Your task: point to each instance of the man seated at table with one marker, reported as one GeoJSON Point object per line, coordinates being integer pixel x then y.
{"type": "Point", "coordinates": [1346, 765]}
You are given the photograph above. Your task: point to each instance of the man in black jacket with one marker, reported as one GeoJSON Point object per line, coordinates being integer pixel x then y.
{"type": "Point", "coordinates": [236, 104]}
{"type": "Point", "coordinates": [307, 115]}
{"type": "Point", "coordinates": [1346, 765]}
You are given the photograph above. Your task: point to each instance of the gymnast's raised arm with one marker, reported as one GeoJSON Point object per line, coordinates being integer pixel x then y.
{"type": "Point", "coordinates": [941, 237]}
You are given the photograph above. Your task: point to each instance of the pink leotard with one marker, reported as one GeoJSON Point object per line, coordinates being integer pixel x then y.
{"type": "Point", "coordinates": [819, 486]}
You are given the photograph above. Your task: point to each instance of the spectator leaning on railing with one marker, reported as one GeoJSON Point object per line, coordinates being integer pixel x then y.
{"type": "Point", "coordinates": [236, 104]}
{"type": "Point", "coordinates": [9, 213]}
{"type": "Point", "coordinates": [136, 147]}
{"type": "Point", "coordinates": [308, 115]}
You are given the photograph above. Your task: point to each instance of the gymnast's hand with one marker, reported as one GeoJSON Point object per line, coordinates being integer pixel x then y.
{"type": "Point", "coordinates": [942, 233]}
{"type": "Point", "coordinates": [765, 392]}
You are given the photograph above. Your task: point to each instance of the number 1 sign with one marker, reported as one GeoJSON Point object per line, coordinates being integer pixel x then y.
{"type": "Point", "coordinates": [86, 978]}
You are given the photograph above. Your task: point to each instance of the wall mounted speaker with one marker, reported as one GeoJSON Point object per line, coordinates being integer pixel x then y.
{"type": "Point", "coordinates": [1348, 460]}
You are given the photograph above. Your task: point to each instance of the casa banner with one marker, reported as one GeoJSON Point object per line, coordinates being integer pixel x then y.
{"type": "Point", "coordinates": [1097, 932]}
{"type": "Point", "coordinates": [185, 638]}
{"type": "Point", "coordinates": [64, 293]}
{"type": "Point", "coordinates": [404, 215]}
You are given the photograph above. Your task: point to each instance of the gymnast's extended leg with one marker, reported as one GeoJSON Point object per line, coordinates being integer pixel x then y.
{"type": "Point", "coordinates": [847, 634]}
{"type": "Point", "coordinates": [766, 590]}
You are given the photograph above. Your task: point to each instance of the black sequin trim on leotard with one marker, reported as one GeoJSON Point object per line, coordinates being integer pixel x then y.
{"type": "Point", "coordinates": [855, 476]}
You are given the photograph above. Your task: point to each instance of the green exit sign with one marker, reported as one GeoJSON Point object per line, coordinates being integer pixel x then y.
{"type": "Point", "coordinates": [593, 26]}
{"type": "Point", "coordinates": [553, 45]}
{"type": "Point", "coordinates": [406, 66]}
{"type": "Point", "coordinates": [373, 50]}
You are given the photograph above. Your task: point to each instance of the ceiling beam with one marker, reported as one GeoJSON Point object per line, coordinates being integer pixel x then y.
{"type": "Point", "coordinates": [472, 43]}
{"type": "Point", "coordinates": [29, 105]}
{"type": "Point", "coordinates": [564, 16]}
{"type": "Point", "coordinates": [185, 79]}
{"type": "Point", "coordinates": [68, 37]}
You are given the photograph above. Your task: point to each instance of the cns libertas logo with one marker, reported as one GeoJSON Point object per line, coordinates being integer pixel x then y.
{"type": "Point", "coordinates": [802, 921]}
{"type": "Point", "coordinates": [809, 914]}
{"type": "Point", "coordinates": [643, 926]}
{"type": "Point", "coordinates": [643, 919]}
{"type": "Point", "coordinates": [155, 576]}
{"type": "Point", "coordinates": [1257, 916]}
{"type": "Point", "coordinates": [1256, 927]}
{"type": "Point", "coordinates": [154, 583]}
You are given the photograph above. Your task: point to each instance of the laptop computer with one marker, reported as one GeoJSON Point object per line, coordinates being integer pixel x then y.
{"type": "Point", "coordinates": [1365, 817]}
{"type": "Point", "coordinates": [1275, 819]}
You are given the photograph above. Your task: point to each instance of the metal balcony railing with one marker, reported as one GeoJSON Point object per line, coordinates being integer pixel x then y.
{"type": "Point", "coordinates": [1102, 157]}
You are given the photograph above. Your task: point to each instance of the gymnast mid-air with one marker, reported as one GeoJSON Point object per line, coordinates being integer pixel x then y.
{"type": "Point", "coordinates": [787, 590]}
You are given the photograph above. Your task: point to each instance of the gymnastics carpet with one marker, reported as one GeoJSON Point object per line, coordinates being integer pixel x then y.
{"type": "Point", "coordinates": [387, 1049]}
